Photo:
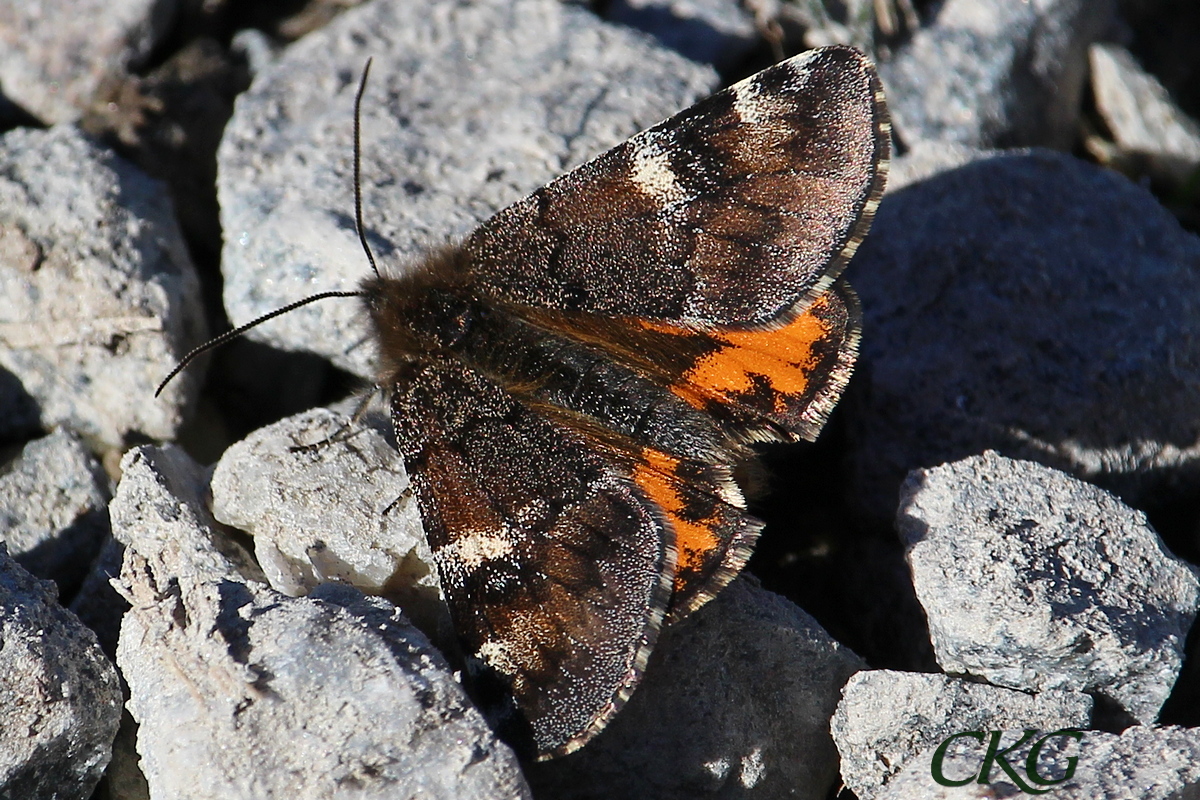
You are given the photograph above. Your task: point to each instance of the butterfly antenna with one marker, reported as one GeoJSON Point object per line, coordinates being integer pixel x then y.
{"type": "Point", "coordinates": [358, 216]}
{"type": "Point", "coordinates": [236, 332]}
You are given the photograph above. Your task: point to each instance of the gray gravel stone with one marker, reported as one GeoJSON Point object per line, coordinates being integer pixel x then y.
{"type": "Point", "coordinates": [98, 296]}
{"type": "Point", "coordinates": [736, 702]}
{"type": "Point", "coordinates": [255, 48]}
{"type": "Point", "coordinates": [1140, 764]}
{"type": "Point", "coordinates": [54, 509]}
{"type": "Point", "coordinates": [470, 107]}
{"type": "Point", "coordinates": [717, 32]}
{"type": "Point", "coordinates": [1035, 305]}
{"type": "Point", "coordinates": [885, 718]}
{"type": "Point", "coordinates": [241, 692]}
{"type": "Point", "coordinates": [160, 509]}
{"type": "Point", "coordinates": [1034, 580]}
{"type": "Point", "coordinates": [318, 515]}
{"type": "Point", "coordinates": [988, 74]}
{"type": "Point", "coordinates": [1141, 116]}
{"type": "Point", "coordinates": [56, 54]}
{"type": "Point", "coordinates": [60, 699]}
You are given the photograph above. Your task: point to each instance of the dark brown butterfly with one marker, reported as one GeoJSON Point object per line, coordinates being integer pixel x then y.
{"type": "Point", "coordinates": [572, 386]}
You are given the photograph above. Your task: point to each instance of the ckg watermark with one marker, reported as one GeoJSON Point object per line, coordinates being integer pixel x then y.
{"type": "Point", "coordinates": [1023, 772]}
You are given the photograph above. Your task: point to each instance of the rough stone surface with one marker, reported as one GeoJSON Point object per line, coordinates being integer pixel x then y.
{"type": "Point", "coordinates": [241, 692]}
{"type": "Point", "coordinates": [736, 702]}
{"type": "Point", "coordinates": [160, 510]}
{"type": "Point", "coordinates": [470, 107]}
{"type": "Point", "coordinates": [1034, 580]}
{"type": "Point", "coordinates": [340, 511]}
{"type": "Point", "coordinates": [989, 74]}
{"type": "Point", "coordinates": [1053, 315]}
{"type": "Point", "coordinates": [1140, 764]}
{"type": "Point", "coordinates": [60, 699]}
{"type": "Point", "coordinates": [54, 509]}
{"type": "Point", "coordinates": [887, 717]}
{"type": "Point", "coordinates": [56, 54]}
{"type": "Point", "coordinates": [1035, 305]}
{"type": "Point", "coordinates": [717, 32]}
{"type": "Point", "coordinates": [98, 296]}
{"type": "Point", "coordinates": [1141, 115]}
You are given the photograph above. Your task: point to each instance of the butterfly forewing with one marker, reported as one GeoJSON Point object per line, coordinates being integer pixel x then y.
{"type": "Point", "coordinates": [729, 213]}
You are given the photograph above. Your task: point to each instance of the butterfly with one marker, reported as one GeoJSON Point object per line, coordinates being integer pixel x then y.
{"type": "Point", "coordinates": [573, 385]}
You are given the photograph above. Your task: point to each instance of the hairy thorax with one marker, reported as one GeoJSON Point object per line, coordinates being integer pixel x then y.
{"type": "Point", "coordinates": [596, 369]}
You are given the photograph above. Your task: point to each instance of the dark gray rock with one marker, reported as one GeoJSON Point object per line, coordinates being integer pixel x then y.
{"type": "Point", "coordinates": [717, 32]}
{"type": "Point", "coordinates": [1035, 305]}
{"type": "Point", "coordinates": [100, 298]}
{"type": "Point", "coordinates": [56, 54]}
{"type": "Point", "coordinates": [989, 74]}
{"type": "Point", "coordinates": [54, 509]}
{"type": "Point", "coordinates": [470, 107]}
{"type": "Point", "coordinates": [927, 159]}
{"type": "Point", "coordinates": [1143, 763]}
{"type": "Point", "coordinates": [60, 698]}
{"type": "Point", "coordinates": [886, 718]}
{"type": "Point", "coordinates": [736, 702]}
{"type": "Point", "coordinates": [1034, 580]}
{"type": "Point", "coordinates": [97, 604]}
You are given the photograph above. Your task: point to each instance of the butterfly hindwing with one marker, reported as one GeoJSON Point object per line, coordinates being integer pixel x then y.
{"type": "Point", "coordinates": [713, 533]}
{"type": "Point", "coordinates": [555, 565]}
{"type": "Point", "coordinates": [778, 383]}
{"type": "Point", "coordinates": [729, 213]}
